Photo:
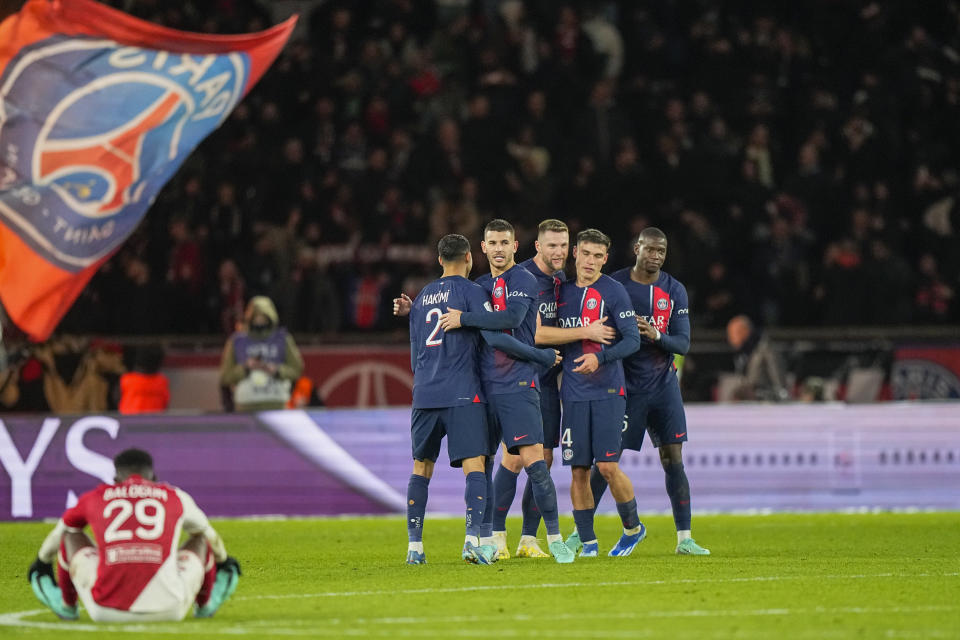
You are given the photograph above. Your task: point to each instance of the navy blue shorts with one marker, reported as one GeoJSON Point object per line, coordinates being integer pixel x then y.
{"type": "Point", "coordinates": [464, 426]}
{"type": "Point", "coordinates": [550, 410]}
{"type": "Point", "coordinates": [515, 417]}
{"type": "Point", "coordinates": [660, 413]}
{"type": "Point", "coordinates": [591, 431]}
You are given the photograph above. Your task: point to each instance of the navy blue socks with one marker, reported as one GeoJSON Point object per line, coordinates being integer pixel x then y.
{"type": "Point", "coordinates": [584, 521]}
{"type": "Point", "coordinates": [531, 515]}
{"type": "Point", "coordinates": [475, 495]}
{"type": "Point", "coordinates": [486, 527]}
{"type": "Point", "coordinates": [628, 514]}
{"type": "Point", "coordinates": [545, 495]}
{"type": "Point", "coordinates": [504, 490]}
{"type": "Point", "coordinates": [416, 506]}
{"type": "Point", "coordinates": [598, 485]}
{"type": "Point", "coordinates": [679, 491]}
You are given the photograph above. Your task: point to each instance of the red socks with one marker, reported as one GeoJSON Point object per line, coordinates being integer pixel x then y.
{"type": "Point", "coordinates": [67, 589]}
{"type": "Point", "coordinates": [209, 576]}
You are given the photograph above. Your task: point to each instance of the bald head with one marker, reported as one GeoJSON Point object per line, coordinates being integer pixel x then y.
{"type": "Point", "coordinates": [738, 331]}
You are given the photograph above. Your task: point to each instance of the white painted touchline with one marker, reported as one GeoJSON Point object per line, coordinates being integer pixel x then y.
{"type": "Point", "coordinates": [565, 585]}
{"type": "Point", "coordinates": [15, 619]}
{"type": "Point", "coordinates": [629, 615]}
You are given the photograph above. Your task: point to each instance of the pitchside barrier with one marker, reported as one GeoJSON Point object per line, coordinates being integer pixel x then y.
{"type": "Point", "coordinates": [368, 376]}
{"type": "Point", "coordinates": [343, 462]}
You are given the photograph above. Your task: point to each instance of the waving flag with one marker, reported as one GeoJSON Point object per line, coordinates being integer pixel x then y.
{"type": "Point", "coordinates": [97, 111]}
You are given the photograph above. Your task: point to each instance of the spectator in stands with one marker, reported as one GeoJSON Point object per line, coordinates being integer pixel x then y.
{"type": "Point", "coordinates": [390, 116]}
{"type": "Point", "coordinates": [145, 389]}
{"type": "Point", "coordinates": [757, 364]}
{"type": "Point", "coordinates": [812, 390]}
{"type": "Point", "coordinates": [842, 291]}
{"type": "Point", "coordinates": [9, 374]}
{"type": "Point", "coordinates": [304, 395]}
{"type": "Point", "coordinates": [185, 278]}
{"type": "Point", "coordinates": [77, 374]}
{"type": "Point", "coordinates": [227, 303]}
{"type": "Point", "coordinates": [934, 296]}
{"type": "Point", "coordinates": [261, 361]}
{"type": "Point", "coordinates": [722, 296]}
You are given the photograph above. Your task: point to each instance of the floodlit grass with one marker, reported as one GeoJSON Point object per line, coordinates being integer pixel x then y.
{"type": "Point", "coordinates": [782, 576]}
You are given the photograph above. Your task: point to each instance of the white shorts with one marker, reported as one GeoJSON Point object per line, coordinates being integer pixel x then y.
{"type": "Point", "coordinates": [83, 573]}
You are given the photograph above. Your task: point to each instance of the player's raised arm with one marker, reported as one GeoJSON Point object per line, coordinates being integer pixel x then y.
{"type": "Point", "coordinates": [402, 305]}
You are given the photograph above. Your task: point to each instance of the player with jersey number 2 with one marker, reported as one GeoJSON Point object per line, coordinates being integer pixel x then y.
{"type": "Point", "coordinates": [552, 247]}
{"type": "Point", "coordinates": [512, 386]}
{"type": "Point", "coordinates": [134, 572]}
{"type": "Point", "coordinates": [448, 400]}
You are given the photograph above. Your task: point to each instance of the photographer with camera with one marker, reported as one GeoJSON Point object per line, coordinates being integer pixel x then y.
{"type": "Point", "coordinates": [261, 362]}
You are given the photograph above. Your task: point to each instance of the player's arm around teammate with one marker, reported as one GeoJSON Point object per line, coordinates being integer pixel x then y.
{"type": "Point", "coordinates": [448, 400]}
{"type": "Point", "coordinates": [511, 384]}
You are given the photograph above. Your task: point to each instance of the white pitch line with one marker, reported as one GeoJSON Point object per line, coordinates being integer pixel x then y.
{"type": "Point", "coordinates": [199, 628]}
{"type": "Point", "coordinates": [15, 619]}
{"type": "Point", "coordinates": [627, 615]}
{"type": "Point", "coordinates": [566, 585]}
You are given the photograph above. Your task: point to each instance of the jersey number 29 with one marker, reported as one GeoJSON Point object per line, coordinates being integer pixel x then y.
{"type": "Point", "coordinates": [124, 509]}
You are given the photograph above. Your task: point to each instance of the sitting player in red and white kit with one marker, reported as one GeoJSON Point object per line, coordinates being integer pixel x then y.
{"type": "Point", "coordinates": [135, 572]}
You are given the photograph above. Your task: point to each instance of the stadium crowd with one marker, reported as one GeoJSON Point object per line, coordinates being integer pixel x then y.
{"type": "Point", "coordinates": [802, 157]}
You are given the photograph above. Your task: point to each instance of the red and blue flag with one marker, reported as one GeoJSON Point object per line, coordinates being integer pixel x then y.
{"type": "Point", "coordinates": [98, 110]}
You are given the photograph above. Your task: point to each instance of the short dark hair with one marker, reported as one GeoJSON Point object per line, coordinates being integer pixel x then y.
{"type": "Point", "coordinates": [651, 233]}
{"type": "Point", "coordinates": [552, 224]}
{"type": "Point", "coordinates": [452, 247]}
{"type": "Point", "coordinates": [149, 358]}
{"type": "Point", "coordinates": [498, 224]}
{"type": "Point", "coordinates": [595, 236]}
{"type": "Point", "coordinates": [133, 460]}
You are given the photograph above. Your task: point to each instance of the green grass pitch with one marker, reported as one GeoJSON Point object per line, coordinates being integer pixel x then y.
{"type": "Point", "coordinates": [781, 576]}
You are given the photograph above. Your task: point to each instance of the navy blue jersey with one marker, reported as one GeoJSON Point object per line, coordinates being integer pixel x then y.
{"type": "Point", "coordinates": [664, 305]}
{"type": "Point", "coordinates": [445, 366]}
{"type": "Point", "coordinates": [578, 307]}
{"type": "Point", "coordinates": [500, 372]}
{"type": "Point", "coordinates": [548, 290]}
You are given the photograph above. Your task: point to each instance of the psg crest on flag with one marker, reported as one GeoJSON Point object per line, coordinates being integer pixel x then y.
{"type": "Point", "coordinates": [91, 130]}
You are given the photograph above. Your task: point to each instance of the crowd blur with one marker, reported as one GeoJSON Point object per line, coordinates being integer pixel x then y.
{"type": "Point", "coordinates": [802, 158]}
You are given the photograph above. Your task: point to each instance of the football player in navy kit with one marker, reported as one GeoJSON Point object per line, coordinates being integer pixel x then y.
{"type": "Point", "coordinates": [654, 404]}
{"type": "Point", "coordinates": [448, 397]}
{"type": "Point", "coordinates": [593, 393]}
{"type": "Point", "coordinates": [512, 386]}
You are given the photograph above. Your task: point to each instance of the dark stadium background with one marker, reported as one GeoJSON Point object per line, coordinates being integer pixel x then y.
{"type": "Point", "coordinates": [801, 157]}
